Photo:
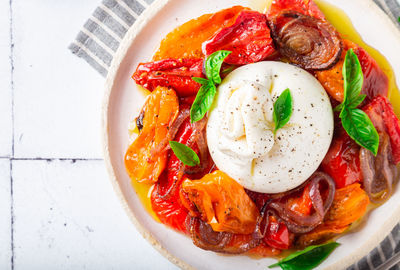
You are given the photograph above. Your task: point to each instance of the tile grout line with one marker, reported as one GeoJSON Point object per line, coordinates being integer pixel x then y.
{"type": "Point", "coordinates": [12, 214]}
{"type": "Point", "coordinates": [11, 29]}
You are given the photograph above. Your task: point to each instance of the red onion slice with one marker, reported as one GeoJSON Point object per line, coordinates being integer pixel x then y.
{"type": "Point", "coordinates": [302, 224]}
{"type": "Point", "coordinates": [173, 129]}
{"type": "Point", "coordinates": [379, 173]}
{"type": "Point", "coordinates": [204, 237]}
{"type": "Point", "coordinates": [306, 41]}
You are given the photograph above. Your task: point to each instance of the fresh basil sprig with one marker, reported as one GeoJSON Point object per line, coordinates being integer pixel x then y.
{"type": "Point", "coordinates": [283, 109]}
{"type": "Point", "coordinates": [306, 259]}
{"type": "Point", "coordinates": [205, 97]}
{"type": "Point", "coordinates": [185, 154]}
{"type": "Point", "coordinates": [355, 121]}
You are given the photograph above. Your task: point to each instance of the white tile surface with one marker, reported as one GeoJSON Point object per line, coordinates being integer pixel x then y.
{"type": "Point", "coordinates": [68, 217]}
{"type": "Point", "coordinates": [57, 96]}
{"type": "Point", "coordinates": [5, 82]}
{"type": "Point", "coordinates": [5, 214]}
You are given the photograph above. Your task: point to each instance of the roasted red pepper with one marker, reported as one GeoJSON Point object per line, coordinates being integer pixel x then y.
{"type": "Point", "coordinates": [342, 162]}
{"type": "Point", "coordinates": [248, 39]}
{"type": "Point", "coordinates": [278, 235]}
{"type": "Point", "coordinates": [381, 113]}
{"type": "Point", "coordinates": [174, 73]}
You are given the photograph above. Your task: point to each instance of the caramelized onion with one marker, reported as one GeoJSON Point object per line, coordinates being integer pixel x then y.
{"type": "Point", "coordinates": [165, 195]}
{"type": "Point", "coordinates": [197, 137]}
{"type": "Point", "coordinates": [306, 41]}
{"type": "Point", "coordinates": [378, 172]}
{"type": "Point", "coordinates": [261, 226]}
{"type": "Point", "coordinates": [204, 237]}
{"type": "Point", "coordinates": [173, 129]}
{"type": "Point", "coordinates": [301, 224]}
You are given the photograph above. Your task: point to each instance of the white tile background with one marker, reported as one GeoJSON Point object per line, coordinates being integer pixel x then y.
{"type": "Point", "coordinates": [57, 207]}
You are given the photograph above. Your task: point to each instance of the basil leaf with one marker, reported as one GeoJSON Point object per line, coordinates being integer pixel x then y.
{"type": "Point", "coordinates": [200, 80]}
{"type": "Point", "coordinates": [353, 79]}
{"type": "Point", "coordinates": [360, 128]}
{"type": "Point", "coordinates": [338, 108]}
{"type": "Point", "coordinates": [357, 101]}
{"type": "Point", "coordinates": [356, 122]}
{"type": "Point", "coordinates": [213, 65]}
{"type": "Point", "coordinates": [307, 259]}
{"type": "Point", "coordinates": [283, 109]}
{"type": "Point", "coordinates": [185, 154]}
{"type": "Point", "coordinates": [203, 101]}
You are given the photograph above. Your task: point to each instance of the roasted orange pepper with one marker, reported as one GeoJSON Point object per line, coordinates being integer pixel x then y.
{"type": "Point", "coordinates": [222, 203]}
{"type": "Point", "coordinates": [160, 111]}
{"type": "Point", "coordinates": [186, 40]}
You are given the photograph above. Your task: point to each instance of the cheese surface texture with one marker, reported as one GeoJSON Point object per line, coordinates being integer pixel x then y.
{"type": "Point", "coordinates": [240, 129]}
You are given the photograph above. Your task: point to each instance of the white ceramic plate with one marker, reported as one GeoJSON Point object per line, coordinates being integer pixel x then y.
{"type": "Point", "coordinates": [123, 102]}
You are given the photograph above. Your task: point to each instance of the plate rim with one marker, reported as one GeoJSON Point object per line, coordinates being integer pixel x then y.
{"type": "Point", "coordinates": [114, 68]}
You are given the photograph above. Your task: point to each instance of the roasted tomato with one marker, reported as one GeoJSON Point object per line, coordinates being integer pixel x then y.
{"type": "Point", "coordinates": [342, 162]}
{"type": "Point", "coordinates": [222, 203]}
{"type": "Point", "coordinates": [165, 198]}
{"type": "Point", "coordinates": [305, 7]}
{"type": "Point", "coordinates": [375, 80]}
{"type": "Point", "coordinates": [186, 40]}
{"type": "Point", "coordinates": [169, 210]}
{"type": "Point", "coordinates": [174, 73]}
{"type": "Point", "coordinates": [381, 113]}
{"type": "Point", "coordinates": [277, 235]}
{"type": "Point", "coordinates": [248, 39]}
{"type": "Point", "coordinates": [303, 204]}
{"type": "Point", "coordinates": [160, 111]}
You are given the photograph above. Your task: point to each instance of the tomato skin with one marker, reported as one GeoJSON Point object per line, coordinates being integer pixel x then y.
{"type": "Point", "coordinates": [173, 73]}
{"type": "Point", "coordinates": [381, 113]}
{"type": "Point", "coordinates": [248, 39]}
{"type": "Point", "coordinates": [278, 235]}
{"type": "Point", "coordinates": [342, 162]}
{"type": "Point", "coordinates": [306, 7]}
{"type": "Point", "coordinates": [302, 205]}
{"type": "Point", "coordinates": [375, 80]}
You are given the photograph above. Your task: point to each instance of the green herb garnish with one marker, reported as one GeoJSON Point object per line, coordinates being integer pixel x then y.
{"type": "Point", "coordinates": [185, 154]}
{"type": "Point", "coordinates": [306, 259]}
{"type": "Point", "coordinates": [205, 96]}
{"type": "Point", "coordinates": [355, 121]}
{"type": "Point", "coordinates": [283, 109]}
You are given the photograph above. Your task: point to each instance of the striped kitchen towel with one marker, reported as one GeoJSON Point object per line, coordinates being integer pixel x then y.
{"type": "Point", "coordinates": [101, 35]}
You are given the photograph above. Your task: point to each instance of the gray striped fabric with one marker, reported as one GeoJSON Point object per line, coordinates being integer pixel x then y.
{"type": "Point", "coordinates": [101, 35]}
